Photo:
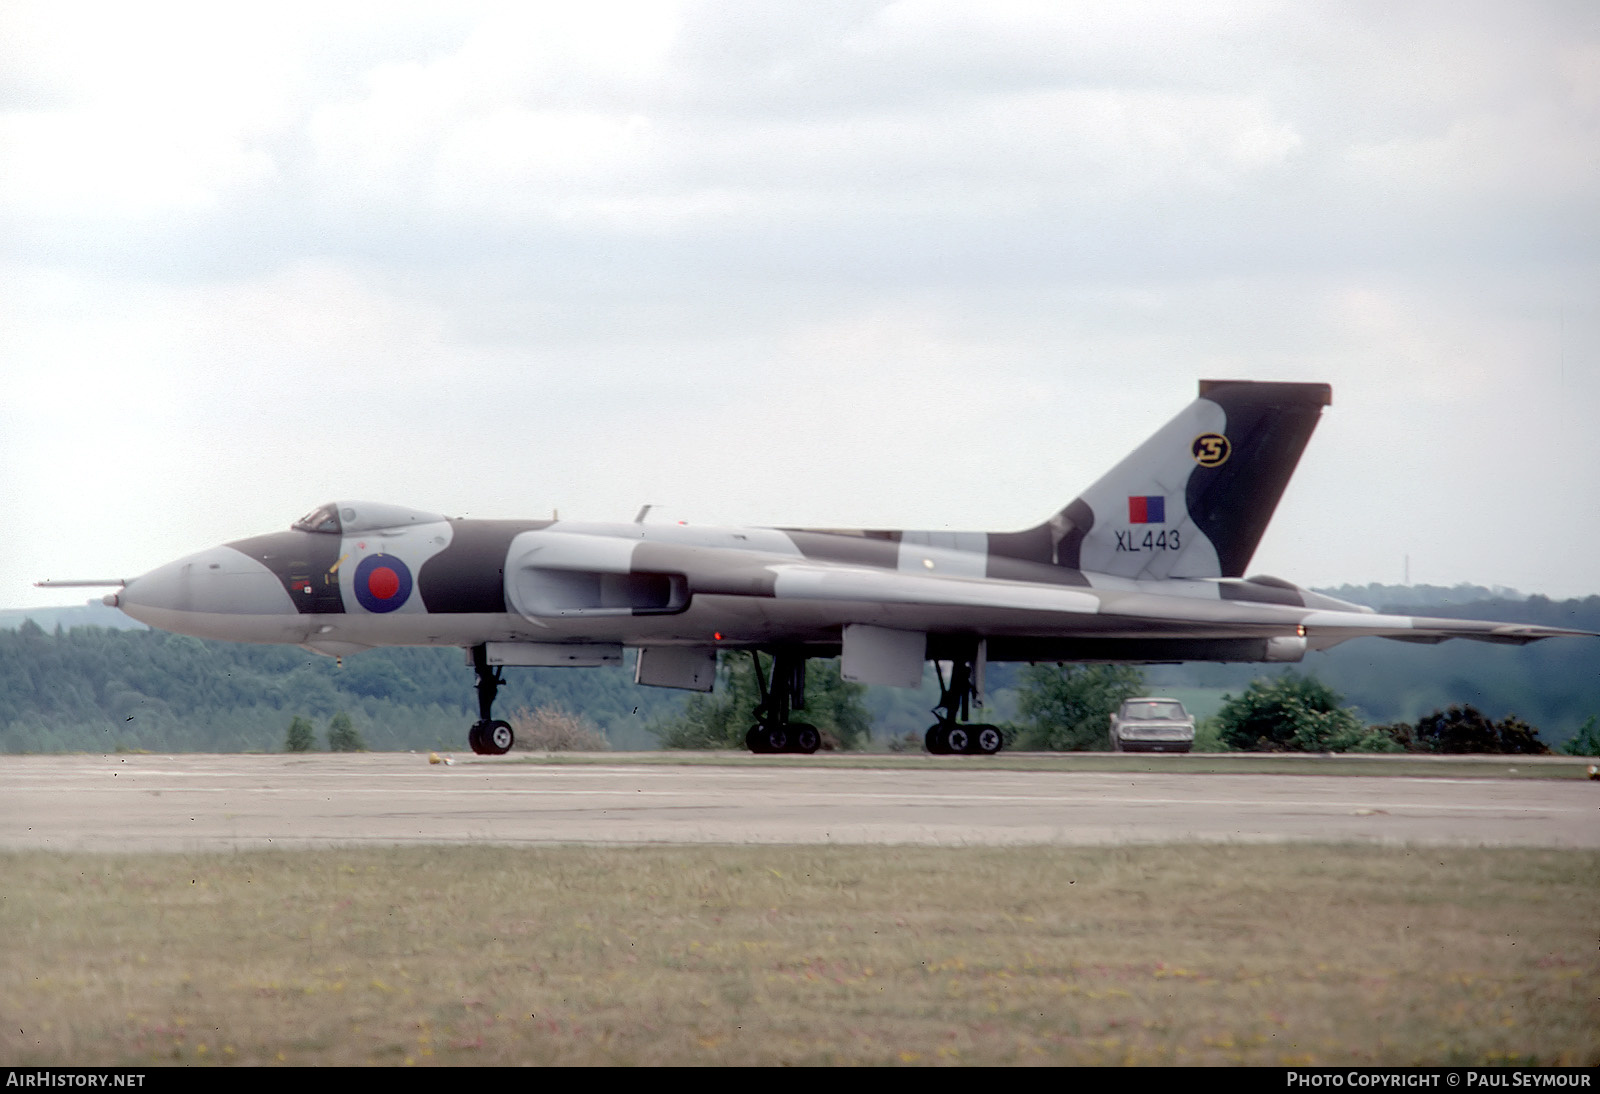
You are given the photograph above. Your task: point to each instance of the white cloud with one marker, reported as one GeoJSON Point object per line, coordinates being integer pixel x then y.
{"type": "Point", "coordinates": [850, 262]}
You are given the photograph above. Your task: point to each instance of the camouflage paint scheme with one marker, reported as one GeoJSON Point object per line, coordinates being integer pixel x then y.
{"type": "Point", "coordinates": [1145, 565]}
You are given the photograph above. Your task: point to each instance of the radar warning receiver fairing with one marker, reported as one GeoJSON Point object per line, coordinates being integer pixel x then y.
{"type": "Point", "coordinates": [1147, 565]}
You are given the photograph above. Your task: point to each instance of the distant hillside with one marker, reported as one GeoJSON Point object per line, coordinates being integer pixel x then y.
{"type": "Point", "coordinates": [92, 614]}
{"type": "Point", "coordinates": [95, 689]}
{"type": "Point", "coordinates": [1553, 684]}
{"type": "Point", "coordinates": [1388, 597]}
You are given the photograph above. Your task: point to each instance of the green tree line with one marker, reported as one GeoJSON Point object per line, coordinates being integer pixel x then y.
{"type": "Point", "coordinates": [1553, 684]}
{"type": "Point", "coordinates": [90, 688]}
{"type": "Point", "coordinates": [99, 690]}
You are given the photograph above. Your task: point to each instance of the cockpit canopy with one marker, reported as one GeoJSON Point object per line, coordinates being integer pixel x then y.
{"type": "Point", "coordinates": [342, 517]}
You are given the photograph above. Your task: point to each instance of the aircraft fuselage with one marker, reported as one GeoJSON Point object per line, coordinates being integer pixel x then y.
{"type": "Point", "coordinates": [1146, 564]}
{"type": "Point", "coordinates": [439, 582]}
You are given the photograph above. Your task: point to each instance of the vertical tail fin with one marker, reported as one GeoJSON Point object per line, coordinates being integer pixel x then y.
{"type": "Point", "coordinates": [1194, 499]}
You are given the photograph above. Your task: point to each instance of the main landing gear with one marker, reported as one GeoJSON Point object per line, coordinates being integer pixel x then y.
{"type": "Point", "coordinates": [949, 735]}
{"type": "Point", "coordinates": [488, 736]}
{"type": "Point", "coordinates": [773, 732]}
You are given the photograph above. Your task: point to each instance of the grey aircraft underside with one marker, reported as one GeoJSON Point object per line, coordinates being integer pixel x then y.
{"type": "Point", "coordinates": [1146, 565]}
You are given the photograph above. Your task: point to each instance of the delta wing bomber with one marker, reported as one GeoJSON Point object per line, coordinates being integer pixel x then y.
{"type": "Point", "coordinates": [1146, 565]}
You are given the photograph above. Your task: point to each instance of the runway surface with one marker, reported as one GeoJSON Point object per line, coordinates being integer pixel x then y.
{"type": "Point", "coordinates": [206, 802]}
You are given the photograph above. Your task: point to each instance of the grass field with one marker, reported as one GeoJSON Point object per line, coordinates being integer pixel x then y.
{"type": "Point", "coordinates": [772, 955]}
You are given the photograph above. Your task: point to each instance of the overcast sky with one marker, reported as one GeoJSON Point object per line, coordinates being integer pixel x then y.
{"type": "Point", "coordinates": [920, 264]}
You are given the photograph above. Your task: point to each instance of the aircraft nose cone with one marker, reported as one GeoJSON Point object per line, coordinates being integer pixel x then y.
{"type": "Point", "coordinates": [195, 595]}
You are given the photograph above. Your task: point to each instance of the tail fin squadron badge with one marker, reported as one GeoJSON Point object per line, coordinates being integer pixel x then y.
{"type": "Point", "coordinates": [1210, 450]}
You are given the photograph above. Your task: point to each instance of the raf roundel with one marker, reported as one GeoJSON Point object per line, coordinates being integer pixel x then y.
{"type": "Point", "coordinates": [382, 583]}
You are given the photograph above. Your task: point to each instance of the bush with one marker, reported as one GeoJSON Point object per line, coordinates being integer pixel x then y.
{"type": "Point", "coordinates": [553, 729]}
{"type": "Point", "coordinates": [342, 735]}
{"type": "Point", "coordinates": [1069, 707]}
{"type": "Point", "coordinates": [301, 736]}
{"type": "Point", "coordinates": [1587, 741]}
{"type": "Point", "coordinates": [1294, 713]}
{"type": "Point", "coordinates": [1208, 735]}
{"type": "Point", "coordinates": [1464, 729]}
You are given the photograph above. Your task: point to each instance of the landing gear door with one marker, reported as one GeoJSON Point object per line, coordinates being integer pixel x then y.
{"type": "Point", "coordinates": [692, 668]}
{"type": "Point", "coordinates": [879, 655]}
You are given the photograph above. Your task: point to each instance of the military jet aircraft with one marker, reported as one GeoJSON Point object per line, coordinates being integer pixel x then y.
{"type": "Point", "coordinates": [1147, 565]}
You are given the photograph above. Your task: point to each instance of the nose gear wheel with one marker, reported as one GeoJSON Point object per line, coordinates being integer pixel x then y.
{"type": "Point", "coordinates": [489, 736]}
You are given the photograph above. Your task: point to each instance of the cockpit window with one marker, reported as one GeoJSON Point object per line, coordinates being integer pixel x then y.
{"type": "Point", "coordinates": [358, 517]}
{"type": "Point", "coordinates": [324, 518]}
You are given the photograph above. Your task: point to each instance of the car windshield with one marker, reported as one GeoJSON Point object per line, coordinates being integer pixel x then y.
{"type": "Point", "coordinates": [1154, 712]}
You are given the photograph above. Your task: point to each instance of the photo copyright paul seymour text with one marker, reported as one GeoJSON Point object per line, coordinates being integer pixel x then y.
{"type": "Point", "coordinates": [1465, 1078]}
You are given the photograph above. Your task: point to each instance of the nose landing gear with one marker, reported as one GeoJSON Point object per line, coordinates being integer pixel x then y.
{"type": "Point", "coordinates": [488, 736]}
{"type": "Point", "coordinates": [491, 738]}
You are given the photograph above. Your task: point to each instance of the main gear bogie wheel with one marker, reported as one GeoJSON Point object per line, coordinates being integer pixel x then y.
{"type": "Point", "coordinates": [803, 738]}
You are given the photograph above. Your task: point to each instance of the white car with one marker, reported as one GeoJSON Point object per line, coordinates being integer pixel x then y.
{"type": "Point", "coordinates": [1152, 725]}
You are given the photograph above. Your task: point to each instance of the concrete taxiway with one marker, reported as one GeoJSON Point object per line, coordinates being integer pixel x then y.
{"type": "Point", "coordinates": [208, 802]}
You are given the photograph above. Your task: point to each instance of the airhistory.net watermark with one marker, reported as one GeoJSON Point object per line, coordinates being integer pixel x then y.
{"type": "Point", "coordinates": [44, 1077]}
